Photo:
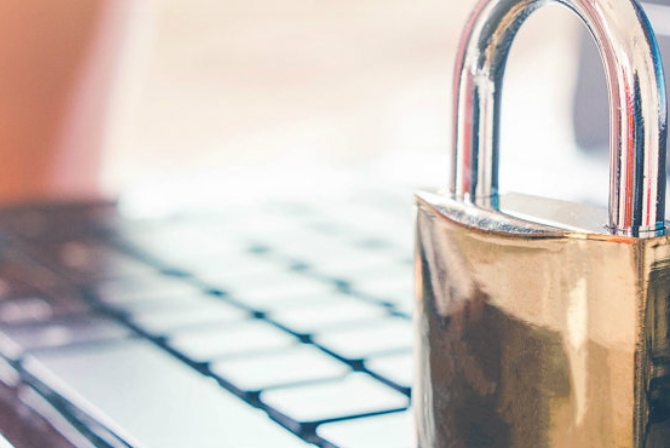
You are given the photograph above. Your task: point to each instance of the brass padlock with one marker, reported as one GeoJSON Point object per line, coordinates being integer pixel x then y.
{"type": "Point", "coordinates": [542, 323]}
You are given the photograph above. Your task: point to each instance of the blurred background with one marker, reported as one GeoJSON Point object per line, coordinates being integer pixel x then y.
{"type": "Point", "coordinates": [268, 98]}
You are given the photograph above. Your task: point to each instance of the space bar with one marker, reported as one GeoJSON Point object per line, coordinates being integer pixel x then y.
{"type": "Point", "coordinates": [154, 399]}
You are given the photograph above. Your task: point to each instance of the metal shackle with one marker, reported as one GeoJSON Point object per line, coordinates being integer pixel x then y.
{"type": "Point", "coordinates": [638, 110]}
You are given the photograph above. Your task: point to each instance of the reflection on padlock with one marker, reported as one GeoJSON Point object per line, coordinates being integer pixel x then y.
{"type": "Point", "coordinates": [542, 323]}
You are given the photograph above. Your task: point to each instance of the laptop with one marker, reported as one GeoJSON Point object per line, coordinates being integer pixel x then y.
{"type": "Point", "coordinates": [278, 324]}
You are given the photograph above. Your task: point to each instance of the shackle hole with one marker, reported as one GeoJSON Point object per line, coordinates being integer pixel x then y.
{"type": "Point", "coordinates": [538, 153]}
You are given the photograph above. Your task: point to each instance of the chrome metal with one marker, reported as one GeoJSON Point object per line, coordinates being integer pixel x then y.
{"type": "Point", "coordinates": [637, 101]}
{"type": "Point", "coordinates": [521, 214]}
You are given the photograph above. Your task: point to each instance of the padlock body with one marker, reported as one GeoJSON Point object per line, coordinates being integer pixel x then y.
{"type": "Point", "coordinates": [537, 336]}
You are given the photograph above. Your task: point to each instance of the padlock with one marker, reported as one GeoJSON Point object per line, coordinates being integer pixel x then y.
{"type": "Point", "coordinates": [541, 323]}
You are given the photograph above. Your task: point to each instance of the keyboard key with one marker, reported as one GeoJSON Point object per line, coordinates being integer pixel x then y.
{"type": "Point", "coordinates": [392, 271]}
{"type": "Point", "coordinates": [406, 308]}
{"type": "Point", "coordinates": [292, 288]}
{"type": "Point", "coordinates": [249, 278]}
{"type": "Point", "coordinates": [229, 270]}
{"type": "Point", "coordinates": [207, 344]}
{"type": "Point", "coordinates": [398, 368]}
{"type": "Point", "coordinates": [154, 400]}
{"type": "Point", "coordinates": [21, 277]}
{"type": "Point", "coordinates": [394, 430]}
{"type": "Point", "coordinates": [153, 288]}
{"type": "Point", "coordinates": [279, 277]}
{"type": "Point", "coordinates": [11, 288]}
{"type": "Point", "coordinates": [40, 308]}
{"type": "Point", "coordinates": [340, 311]}
{"type": "Point", "coordinates": [349, 262]}
{"type": "Point", "coordinates": [356, 394]}
{"type": "Point", "coordinates": [380, 337]}
{"type": "Point", "coordinates": [166, 319]}
{"type": "Point", "coordinates": [304, 245]}
{"type": "Point", "coordinates": [195, 299]}
{"type": "Point", "coordinates": [398, 290]}
{"type": "Point", "coordinates": [370, 219]}
{"type": "Point", "coordinates": [185, 244]}
{"type": "Point", "coordinates": [30, 309]}
{"type": "Point", "coordinates": [86, 261]}
{"type": "Point", "coordinates": [297, 364]}
{"type": "Point", "coordinates": [60, 332]}
{"type": "Point", "coordinates": [290, 303]}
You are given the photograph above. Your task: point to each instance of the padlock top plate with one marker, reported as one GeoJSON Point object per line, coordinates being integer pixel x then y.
{"type": "Point", "coordinates": [522, 214]}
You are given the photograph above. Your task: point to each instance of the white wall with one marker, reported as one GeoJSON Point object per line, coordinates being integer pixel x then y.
{"type": "Point", "coordinates": [210, 85]}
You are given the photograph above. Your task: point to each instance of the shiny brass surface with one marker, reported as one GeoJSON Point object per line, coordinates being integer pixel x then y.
{"type": "Point", "coordinates": [536, 336]}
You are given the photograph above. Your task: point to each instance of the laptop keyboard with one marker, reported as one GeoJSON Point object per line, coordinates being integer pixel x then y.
{"type": "Point", "coordinates": [282, 325]}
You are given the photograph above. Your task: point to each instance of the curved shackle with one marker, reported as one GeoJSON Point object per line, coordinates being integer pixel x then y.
{"type": "Point", "coordinates": [638, 111]}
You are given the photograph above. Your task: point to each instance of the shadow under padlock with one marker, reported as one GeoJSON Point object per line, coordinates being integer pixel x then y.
{"type": "Point", "coordinates": [541, 323]}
